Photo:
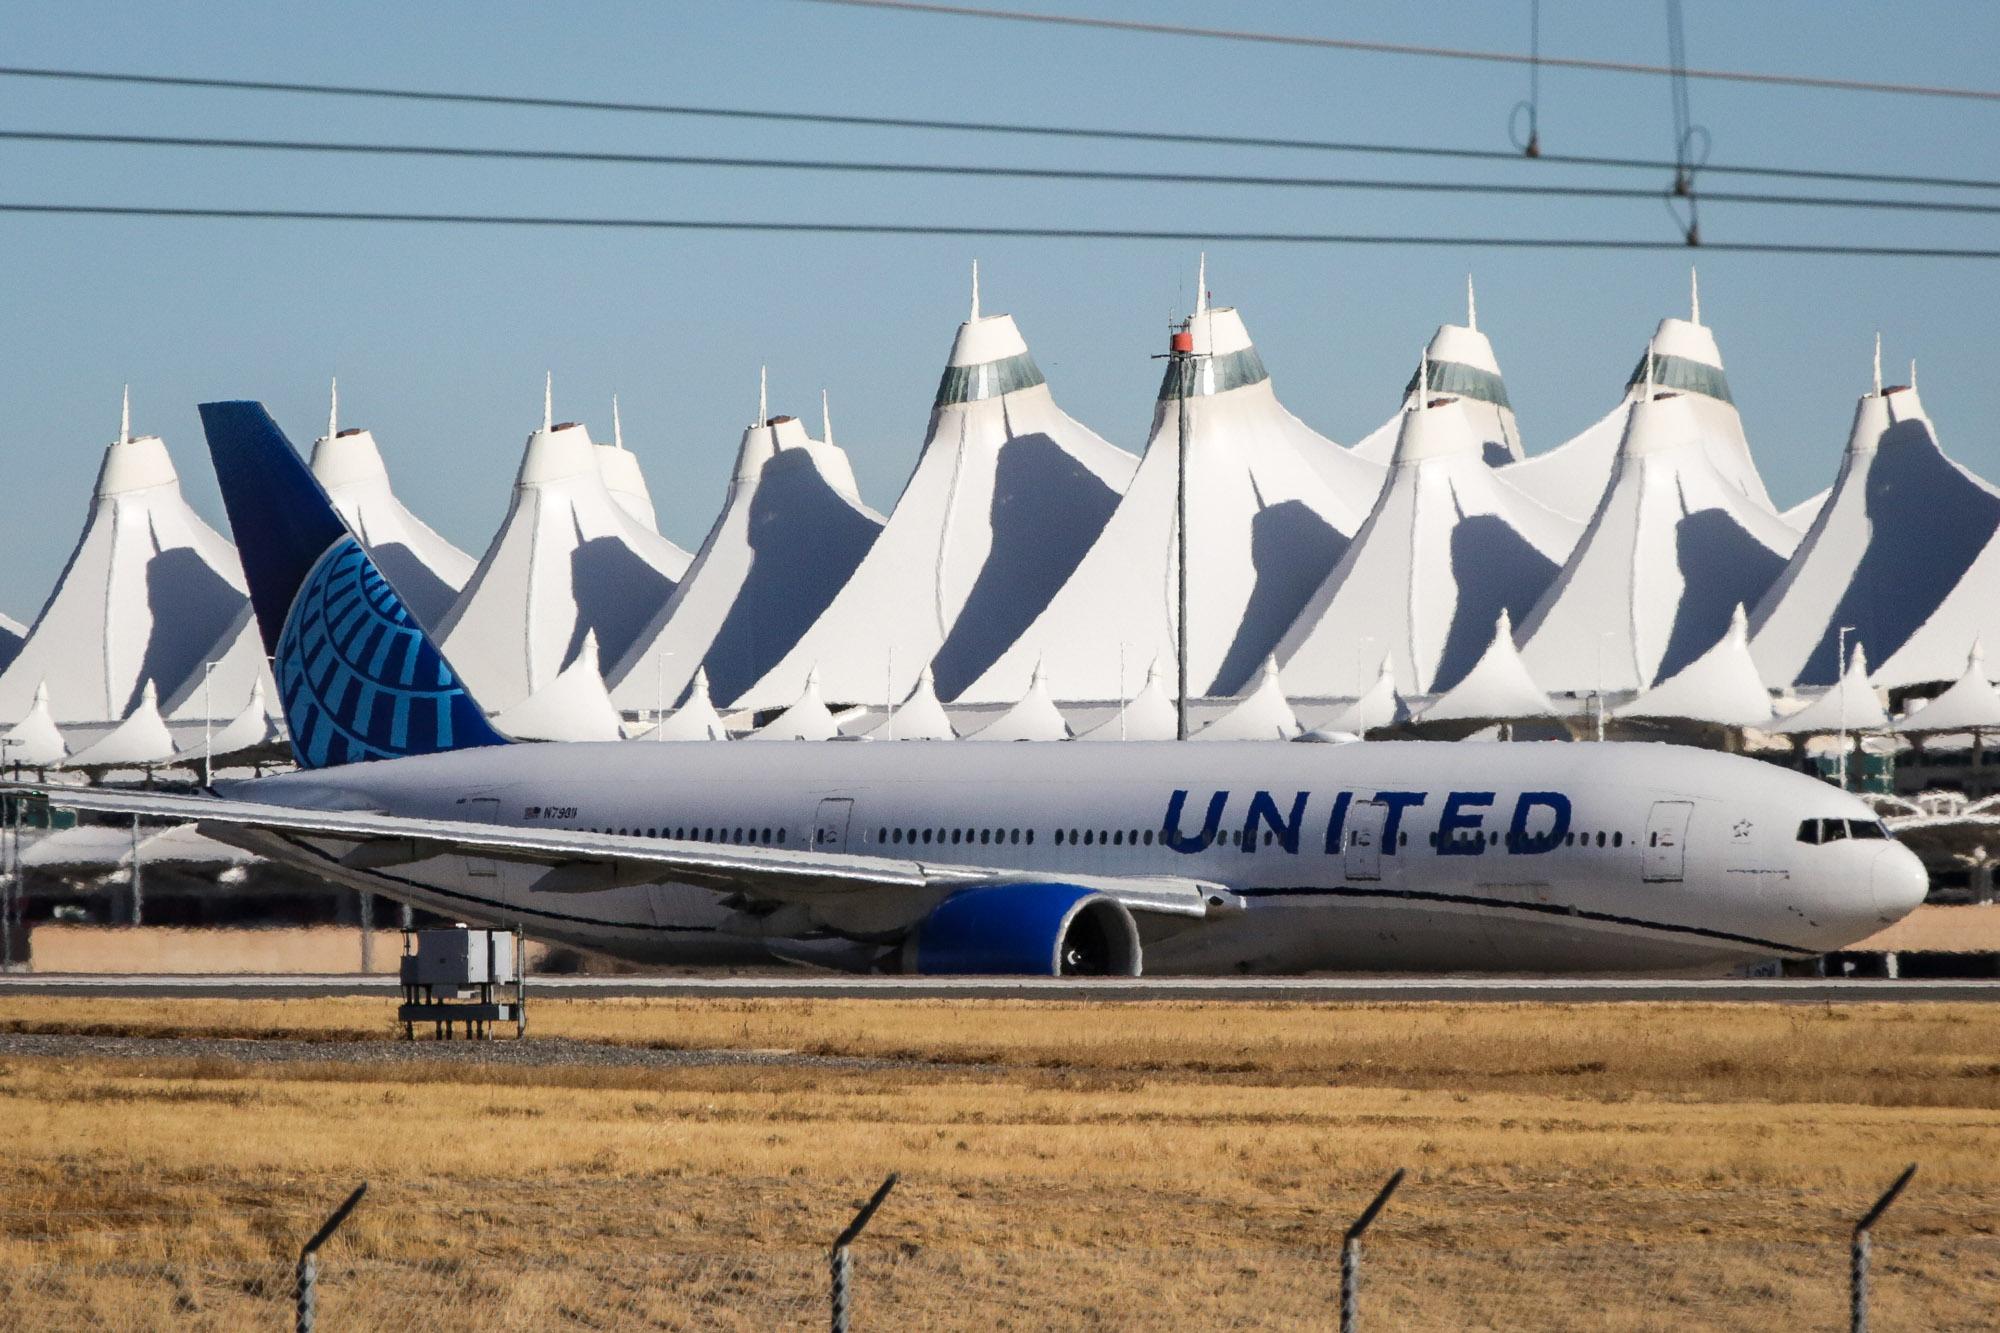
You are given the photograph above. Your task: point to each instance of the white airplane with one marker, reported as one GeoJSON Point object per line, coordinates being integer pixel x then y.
{"type": "Point", "coordinates": [948, 857]}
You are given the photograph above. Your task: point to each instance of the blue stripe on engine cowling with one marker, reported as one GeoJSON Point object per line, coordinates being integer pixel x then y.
{"type": "Point", "coordinates": [999, 930]}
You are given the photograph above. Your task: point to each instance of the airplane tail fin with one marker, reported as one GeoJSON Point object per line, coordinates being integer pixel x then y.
{"type": "Point", "coordinates": [357, 676]}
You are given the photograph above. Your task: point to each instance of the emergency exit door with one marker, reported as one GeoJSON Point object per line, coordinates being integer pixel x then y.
{"type": "Point", "coordinates": [1666, 840]}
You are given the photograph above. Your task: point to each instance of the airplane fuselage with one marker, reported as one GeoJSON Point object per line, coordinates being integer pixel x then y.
{"type": "Point", "coordinates": [1371, 856]}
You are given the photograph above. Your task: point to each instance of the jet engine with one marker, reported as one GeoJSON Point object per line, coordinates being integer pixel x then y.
{"type": "Point", "coordinates": [1029, 929]}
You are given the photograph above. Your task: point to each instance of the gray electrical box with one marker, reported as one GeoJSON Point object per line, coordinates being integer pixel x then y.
{"type": "Point", "coordinates": [463, 976]}
{"type": "Point", "coordinates": [461, 957]}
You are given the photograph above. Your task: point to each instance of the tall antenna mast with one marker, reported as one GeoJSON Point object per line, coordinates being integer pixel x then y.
{"type": "Point", "coordinates": [1471, 306]}
{"type": "Point", "coordinates": [763, 394]}
{"type": "Point", "coordinates": [1201, 285]}
{"type": "Point", "coordinates": [974, 316]}
{"type": "Point", "coordinates": [1878, 364]}
{"type": "Point", "coordinates": [125, 418]}
{"type": "Point", "coordinates": [825, 418]}
{"type": "Point", "coordinates": [617, 426]}
{"type": "Point", "coordinates": [1694, 295]}
{"type": "Point", "coordinates": [333, 408]}
{"type": "Point", "coordinates": [549, 402]}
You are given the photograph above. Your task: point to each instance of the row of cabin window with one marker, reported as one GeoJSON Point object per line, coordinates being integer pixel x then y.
{"type": "Point", "coordinates": [983, 835]}
{"type": "Point", "coordinates": [1571, 839]}
{"type": "Point", "coordinates": [753, 836]}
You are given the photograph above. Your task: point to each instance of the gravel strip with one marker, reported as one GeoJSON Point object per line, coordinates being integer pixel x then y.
{"type": "Point", "coordinates": [537, 1052]}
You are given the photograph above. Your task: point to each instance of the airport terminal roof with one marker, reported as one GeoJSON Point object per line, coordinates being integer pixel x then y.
{"type": "Point", "coordinates": [1007, 495]}
{"type": "Point", "coordinates": [568, 560]}
{"type": "Point", "coordinates": [1970, 703]}
{"type": "Point", "coordinates": [1271, 507]}
{"type": "Point", "coordinates": [1900, 529]}
{"type": "Point", "coordinates": [1458, 361]}
{"type": "Point", "coordinates": [149, 592]}
{"type": "Point", "coordinates": [1449, 545]}
{"type": "Point", "coordinates": [426, 571]}
{"type": "Point", "coordinates": [792, 531]}
{"type": "Point", "coordinates": [1720, 688]}
{"type": "Point", "coordinates": [1673, 549]}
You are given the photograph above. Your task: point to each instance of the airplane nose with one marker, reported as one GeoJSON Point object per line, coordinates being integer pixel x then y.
{"type": "Point", "coordinates": [1898, 882]}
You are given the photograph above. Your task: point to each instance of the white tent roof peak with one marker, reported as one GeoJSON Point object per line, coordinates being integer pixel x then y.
{"type": "Point", "coordinates": [1471, 306]}
{"type": "Point", "coordinates": [125, 415]}
{"type": "Point", "coordinates": [1902, 550]}
{"type": "Point", "coordinates": [549, 401]}
{"type": "Point", "coordinates": [920, 717]}
{"type": "Point", "coordinates": [1435, 428]}
{"type": "Point", "coordinates": [1721, 687]}
{"type": "Point", "coordinates": [809, 719]}
{"type": "Point", "coordinates": [569, 557]}
{"type": "Point", "coordinates": [147, 591]}
{"type": "Point", "coordinates": [619, 467]}
{"type": "Point", "coordinates": [695, 719]}
{"type": "Point", "coordinates": [1151, 715]}
{"type": "Point", "coordinates": [1878, 361]}
{"type": "Point", "coordinates": [34, 741]}
{"type": "Point", "coordinates": [426, 571]}
{"type": "Point", "coordinates": [249, 729]}
{"type": "Point", "coordinates": [1498, 688]}
{"type": "Point", "coordinates": [1694, 294]}
{"type": "Point", "coordinates": [571, 707]}
{"type": "Point", "coordinates": [973, 318]}
{"type": "Point", "coordinates": [825, 419]}
{"type": "Point", "coordinates": [141, 740]}
{"type": "Point", "coordinates": [1218, 330]}
{"type": "Point", "coordinates": [333, 407]}
{"type": "Point", "coordinates": [1262, 713]}
{"type": "Point", "coordinates": [1007, 495]}
{"type": "Point", "coordinates": [1201, 284]}
{"type": "Point", "coordinates": [1380, 705]}
{"type": "Point", "coordinates": [1034, 717]}
{"type": "Point", "coordinates": [1969, 704]}
{"type": "Point", "coordinates": [1850, 704]}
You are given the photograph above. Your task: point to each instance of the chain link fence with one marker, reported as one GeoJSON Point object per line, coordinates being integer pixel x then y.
{"type": "Point", "coordinates": [1404, 1285]}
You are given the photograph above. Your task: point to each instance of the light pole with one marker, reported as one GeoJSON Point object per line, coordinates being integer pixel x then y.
{"type": "Point", "coordinates": [1840, 683]}
{"type": "Point", "coordinates": [1602, 635]}
{"type": "Point", "coordinates": [207, 728]}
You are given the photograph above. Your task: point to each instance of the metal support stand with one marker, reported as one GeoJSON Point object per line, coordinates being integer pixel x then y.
{"type": "Point", "coordinates": [1858, 1252]}
{"type": "Point", "coordinates": [841, 1265]}
{"type": "Point", "coordinates": [1350, 1256]}
{"type": "Point", "coordinates": [306, 1293]}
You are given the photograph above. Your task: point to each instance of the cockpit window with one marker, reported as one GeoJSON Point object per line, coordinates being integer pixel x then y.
{"type": "Point", "coordinates": [1817, 831]}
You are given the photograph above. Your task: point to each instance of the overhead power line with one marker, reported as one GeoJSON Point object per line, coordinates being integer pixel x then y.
{"type": "Point", "coordinates": [596, 157]}
{"type": "Point", "coordinates": [1181, 236]}
{"type": "Point", "coordinates": [950, 126]}
{"type": "Point", "coordinates": [1408, 49]}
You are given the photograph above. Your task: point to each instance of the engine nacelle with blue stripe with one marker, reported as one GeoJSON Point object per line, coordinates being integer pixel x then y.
{"type": "Point", "coordinates": [1026, 929]}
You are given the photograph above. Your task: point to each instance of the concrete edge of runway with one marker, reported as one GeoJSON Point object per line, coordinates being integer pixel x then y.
{"type": "Point", "coordinates": [1565, 990]}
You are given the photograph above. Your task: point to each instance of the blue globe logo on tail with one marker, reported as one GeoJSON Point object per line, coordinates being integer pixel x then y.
{"type": "Point", "coordinates": [358, 677]}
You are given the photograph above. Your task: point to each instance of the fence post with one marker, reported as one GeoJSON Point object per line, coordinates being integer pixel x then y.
{"type": "Point", "coordinates": [1350, 1255]}
{"type": "Point", "coordinates": [1857, 1255]}
{"type": "Point", "coordinates": [843, 1267]}
{"type": "Point", "coordinates": [308, 1271]}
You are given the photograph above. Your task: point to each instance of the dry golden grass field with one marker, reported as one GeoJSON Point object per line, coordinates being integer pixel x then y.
{"type": "Point", "coordinates": [1104, 1166]}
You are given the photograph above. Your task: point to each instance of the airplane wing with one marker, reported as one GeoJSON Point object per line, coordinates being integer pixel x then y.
{"type": "Point", "coordinates": [582, 862]}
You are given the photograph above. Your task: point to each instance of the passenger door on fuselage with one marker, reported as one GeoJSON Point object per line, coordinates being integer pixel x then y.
{"type": "Point", "coordinates": [830, 823]}
{"type": "Point", "coordinates": [1361, 854]}
{"type": "Point", "coordinates": [480, 810]}
{"type": "Point", "coordinates": [1666, 841]}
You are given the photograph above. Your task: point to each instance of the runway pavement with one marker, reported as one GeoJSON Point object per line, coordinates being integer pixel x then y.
{"type": "Point", "coordinates": [1567, 990]}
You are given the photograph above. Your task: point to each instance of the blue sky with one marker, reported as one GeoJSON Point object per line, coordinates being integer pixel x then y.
{"type": "Point", "coordinates": [440, 336]}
